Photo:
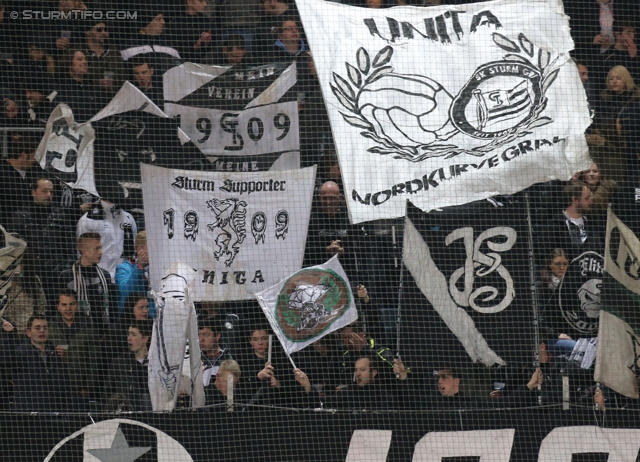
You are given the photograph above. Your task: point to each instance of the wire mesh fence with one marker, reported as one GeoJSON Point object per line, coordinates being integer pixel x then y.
{"type": "Point", "coordinates": [319, 230]}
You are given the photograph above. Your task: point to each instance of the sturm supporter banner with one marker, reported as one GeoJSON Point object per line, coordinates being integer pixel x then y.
{"type": "Point", "coordinates": [523, 435]}
{"type": "Point", "coordinates": [237, 115]}
{"type": "Point", "coordinates": [447, 104]}
{"type": "Point", "coordinates": [242, 232]}
{"type": "Point", "coordinates": [474, 284]}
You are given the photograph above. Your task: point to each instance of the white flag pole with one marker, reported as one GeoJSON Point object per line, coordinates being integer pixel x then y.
{"type": "Point", "coordinates": [286, 352]}
{"type": "Point", "coordinates": [292, 363]}
{"type": "Point", "coordinates": [230, 392]}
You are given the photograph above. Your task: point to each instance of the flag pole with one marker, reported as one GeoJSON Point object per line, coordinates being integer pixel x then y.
{"type": "Point", "coordinates": [596, 406]}
{"type": "Point", "coordinates": [534, 292]}
{"type": "Point", "coordinates": [230, 393]}
{"type": "Point", "coordinates": [400, 285]}
{"type": "Point", "coordinates": [291, 360]}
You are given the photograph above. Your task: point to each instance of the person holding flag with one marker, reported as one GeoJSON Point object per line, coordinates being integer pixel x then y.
{"type": "Point", "coordinates": [266, 381]}
{"type": "Point", "coordinates": [356, 342]}
{"type": "Point", "coordinates": [305, 307]}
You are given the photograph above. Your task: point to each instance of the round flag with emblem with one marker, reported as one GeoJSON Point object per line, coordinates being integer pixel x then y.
{"type": "Point", "coordinates": [310, 301]}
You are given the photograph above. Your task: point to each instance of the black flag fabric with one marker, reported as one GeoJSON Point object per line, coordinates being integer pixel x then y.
{"type": "Point", "coordinates": [237, 87]}
{"type": "Point", "coordinates": [102, 156]}
{"type": "Point", "coordinates": [125, 140]}
{"type": "Point", "coordinates": [579, 295]}
{"type": "Point", "coordinates": [466, 297]}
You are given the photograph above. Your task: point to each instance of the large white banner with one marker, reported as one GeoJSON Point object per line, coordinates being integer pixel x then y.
{"type": "Point", "coordinates": [449, 104]}
{"type": "Point", "coordinates": [263, 130]}
{"type": "Point", "coordinates": [232, 112]}
{"type": "Point", "coordinates": [242, 232]}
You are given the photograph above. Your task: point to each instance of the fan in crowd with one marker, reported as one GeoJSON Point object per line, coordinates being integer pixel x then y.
{"type": "Point", "coordinates": [132, 274]}
{"type": "Point", "coordinates": [97, 297]}
{"type": "Point", "coordinates": [40, 377]}
{"type": "Point", "coordinates": [146, 79]}
{"type": "Point", "coordinates": [219, 390]}
{"type": "Point", "coordinates": [77, 343]}
{"type": "Point", "coordinates": [289, 43]}
{"type": "Point", "coordinates": [552, 324]}
{"type": "Point", "coordinates": [127, 385]}
{"type": "Point", "coordinates": [106, 69]}
{"type": "Point", "coordinates": [621, 91]}
{"type": "Point", "coordinates": [601, 189]}
{"type": "Point", "coordinates": [76, 89]}
{"type": "Point", "coordinates": [135, 308]}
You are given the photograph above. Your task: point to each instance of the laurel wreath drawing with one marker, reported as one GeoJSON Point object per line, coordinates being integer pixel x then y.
{"type": "Point", "coordinates": [363, 83]}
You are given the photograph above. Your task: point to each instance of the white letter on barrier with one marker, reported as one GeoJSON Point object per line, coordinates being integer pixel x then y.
{"type": "Point", "coordinates": [560, 444]}
{"type": "Point", "coordinates": [369, 446]}
{"type": "Point", "coordinates": [489, 445]}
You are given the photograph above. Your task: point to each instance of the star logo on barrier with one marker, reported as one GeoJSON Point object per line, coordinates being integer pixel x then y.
{"type": "Point", "coordinates": [93, 441]}
{"type": "Point", "coordinates": [119, 450]}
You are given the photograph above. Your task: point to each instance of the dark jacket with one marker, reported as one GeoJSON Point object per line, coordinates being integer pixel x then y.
{"type": "Point", "coordinates": [109, 61]}
{"type": "Point", "coordinates": [41, 380]}
{"type": "Point", "coordinates": [458, 401]}
{"type": "Point", "coordinates": [215, 398]}
{"type": "Point", "coordinates": [601, 64]}
{"type": "Point", "coordinates": [323, 229]}
{"type": "Point", "coordinates": [83, 359]}
{"type": "Point", "coordinates": [84, 98]}
{"type": "Point", "coordinates": [15, 191]}
{"type": "Point", "coordinates": [564, 234]}
{"type": "Point", "coordinates": [97, 295]}
{"type": "Point", "coordinates": [50, 235]}
{"type": "Point", "coordinates": [374, 396]}
{"type": "Point", "coordinates": [585, 22]}
{"type": "Point", "coordinates": [280, 54]}
{"type": "Point", "coordinates": [128, 383]}
{"type": "Point", "coordinates": [259, 391]}
{"type": "Point", "coordinates": [184, 31]}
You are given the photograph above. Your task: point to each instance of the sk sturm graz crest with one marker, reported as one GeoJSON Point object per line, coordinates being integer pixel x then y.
{"type": "Point", "coordinates": [412, 116]}
{"type": "Point", "coordinates": [310, 302]}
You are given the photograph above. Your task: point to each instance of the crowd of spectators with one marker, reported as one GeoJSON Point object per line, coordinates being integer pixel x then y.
{"type": "Point", "coordinates": [77, 323]}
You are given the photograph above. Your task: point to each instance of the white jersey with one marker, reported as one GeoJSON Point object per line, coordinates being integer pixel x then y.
{"type": "Point", "coordinates": [115, 227]}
